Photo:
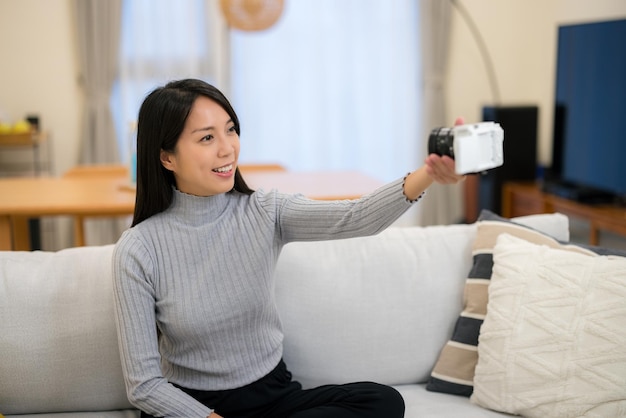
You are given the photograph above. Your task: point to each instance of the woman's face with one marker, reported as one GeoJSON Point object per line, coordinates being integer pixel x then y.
{"type": "Point", "coordinates": [205, 156]}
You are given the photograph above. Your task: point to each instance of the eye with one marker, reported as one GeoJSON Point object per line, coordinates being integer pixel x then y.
{"type": "Point", "coordinates": [206, 138]}
{"type": "Point", "coordinates": [232, 129]}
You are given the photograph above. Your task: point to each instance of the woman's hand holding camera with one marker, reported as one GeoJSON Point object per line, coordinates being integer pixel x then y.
{"type": "Point", "coordinates": [435, 169]}
{"type": "Point", "coordinates": [442, 169]}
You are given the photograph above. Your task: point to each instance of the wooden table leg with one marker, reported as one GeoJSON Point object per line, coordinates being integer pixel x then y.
{"type": "Point", "coordinates": [79, 231]}
{"type": "Point", "coordinates": [6, 237]}
{"type": "Point", "coordinates": [21, 235]}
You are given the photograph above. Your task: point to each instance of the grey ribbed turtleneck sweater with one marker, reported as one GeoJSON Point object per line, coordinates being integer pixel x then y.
{"type": "Point", "coordinates": [201, 274]}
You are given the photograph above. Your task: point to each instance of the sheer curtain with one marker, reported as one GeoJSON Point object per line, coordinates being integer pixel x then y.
{"type": "Point", "coordinates": [444, 204]}
{"type": "Point", "coordinates": [334, 85]}
{"type": "Point", "coordinates": [98, 34]}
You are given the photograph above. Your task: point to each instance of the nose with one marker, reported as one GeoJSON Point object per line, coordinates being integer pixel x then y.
{"type": "Point", "coordinates": [226, 146]}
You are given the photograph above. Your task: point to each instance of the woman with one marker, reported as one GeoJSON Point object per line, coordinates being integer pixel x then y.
{"type": "Point", "coordinates": [198, 328]}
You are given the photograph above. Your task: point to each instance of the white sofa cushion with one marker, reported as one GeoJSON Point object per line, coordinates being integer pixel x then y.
{"type": "Point", "coordinates": [422, 403]}
{"type": "Point", "coordinates": [58, 342]}
{"type": "Point", "coordinates": [375, 308]}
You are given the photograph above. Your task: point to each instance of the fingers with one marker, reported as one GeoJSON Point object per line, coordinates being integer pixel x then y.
{"type": "Point", "coordinates": [442, 169]}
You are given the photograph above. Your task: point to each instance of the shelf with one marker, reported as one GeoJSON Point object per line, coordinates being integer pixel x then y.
{"type": "Point", "coordinates": [15, 142]}
{"type": "Point", "coordinates": [26, 139]}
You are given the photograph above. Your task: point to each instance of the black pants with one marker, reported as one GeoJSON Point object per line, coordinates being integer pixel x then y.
{"type": "Point", "coordinates": [277, 396]}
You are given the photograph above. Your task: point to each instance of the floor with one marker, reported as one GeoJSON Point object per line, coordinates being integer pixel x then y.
{"type": "Point", "coordinates": [579, 232]}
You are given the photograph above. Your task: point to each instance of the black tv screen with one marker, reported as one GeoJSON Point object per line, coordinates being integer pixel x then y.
{"type": "Point", "coordinates": [590, 116]}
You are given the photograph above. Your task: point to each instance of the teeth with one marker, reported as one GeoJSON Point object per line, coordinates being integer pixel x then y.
{"type": "Point", "coordinates": [224, 169]}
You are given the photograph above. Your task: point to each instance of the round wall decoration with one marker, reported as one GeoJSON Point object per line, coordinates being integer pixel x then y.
{"type": "Point", "coordinates": [251, 15]}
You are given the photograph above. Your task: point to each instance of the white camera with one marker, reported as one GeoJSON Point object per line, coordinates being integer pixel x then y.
{"type": "Point", "coordinates": [474, 147]}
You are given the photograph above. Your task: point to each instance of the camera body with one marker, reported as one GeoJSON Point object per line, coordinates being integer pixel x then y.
{"type": "Point", "coordinates": [474, 147]}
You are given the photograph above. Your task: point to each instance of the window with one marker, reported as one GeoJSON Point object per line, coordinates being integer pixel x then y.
{"type": "Point", "coordinates": [333, 85]}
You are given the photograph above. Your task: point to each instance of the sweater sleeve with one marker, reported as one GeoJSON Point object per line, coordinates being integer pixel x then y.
{"type": "Point", "coordinates": [134, 298]}
{"type": "Point", "coordinates": [301, 219]}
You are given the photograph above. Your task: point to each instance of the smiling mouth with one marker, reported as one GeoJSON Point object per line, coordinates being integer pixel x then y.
{"type": "Point", "coordinates": [225, 169]}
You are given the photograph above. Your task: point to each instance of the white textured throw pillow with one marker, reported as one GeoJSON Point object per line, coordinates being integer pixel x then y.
{"type": "Point", "coordinates": [553, 343]}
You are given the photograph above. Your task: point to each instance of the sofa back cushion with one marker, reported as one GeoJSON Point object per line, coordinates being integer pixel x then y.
{"type": "Point", "coordinates": [58, 343]}
{"type": "Point", "coordinates": [377, 308]}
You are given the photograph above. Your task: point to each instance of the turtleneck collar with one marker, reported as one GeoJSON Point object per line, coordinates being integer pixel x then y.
{"type": "Point", "coordinates": [198, 209]}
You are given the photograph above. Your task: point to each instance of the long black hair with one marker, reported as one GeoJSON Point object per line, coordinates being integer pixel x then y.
{"type": "Point", "coordinates": [161, 120]}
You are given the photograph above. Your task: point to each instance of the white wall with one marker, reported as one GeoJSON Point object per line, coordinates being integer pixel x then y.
{"type": "Point", "coordinates": [39, 73]}
{"type": "Point", "coordinates": [521, 39]}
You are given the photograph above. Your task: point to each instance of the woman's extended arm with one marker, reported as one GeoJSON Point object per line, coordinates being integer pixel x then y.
{"type": "Point", "coordinates": [302, 219]}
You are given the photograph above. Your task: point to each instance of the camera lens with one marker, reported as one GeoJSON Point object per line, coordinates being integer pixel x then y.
{"type": "Point", "coordinates": [441, 142]}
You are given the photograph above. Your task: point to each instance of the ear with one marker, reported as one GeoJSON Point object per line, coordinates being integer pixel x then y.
{"type": "Point", "coordinates": [167, 160]}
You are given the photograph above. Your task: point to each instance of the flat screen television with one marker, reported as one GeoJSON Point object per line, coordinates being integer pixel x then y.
{"type": "Point", "coordinates": [589, 148]}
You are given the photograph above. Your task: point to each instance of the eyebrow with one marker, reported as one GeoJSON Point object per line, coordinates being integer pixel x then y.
{"type": "Point", "coordinates": [209, 128]}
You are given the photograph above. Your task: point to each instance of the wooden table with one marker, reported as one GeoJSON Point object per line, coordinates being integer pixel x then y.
{"type": "Point", "coordinates": [24, 198]}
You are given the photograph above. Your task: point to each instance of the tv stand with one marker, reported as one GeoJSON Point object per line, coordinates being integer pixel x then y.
{"type": "Point", "coordinates": [529, 198]}
{"type": "Point", "coordinates": [578, 193]}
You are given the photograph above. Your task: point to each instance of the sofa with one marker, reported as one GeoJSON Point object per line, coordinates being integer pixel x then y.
{"type": "Point", "coordinates": [378, 308]}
